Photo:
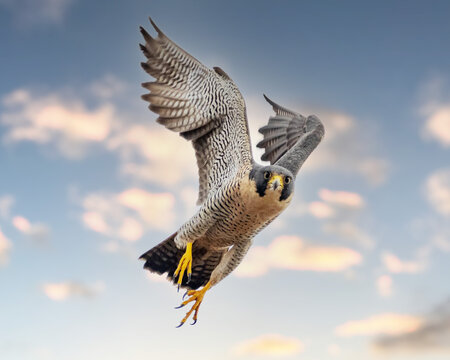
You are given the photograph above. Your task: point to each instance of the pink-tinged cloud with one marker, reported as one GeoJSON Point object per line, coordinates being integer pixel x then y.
{"type": "Point", "coordinates": [129, 214]}
{"type": "Point", "coordinates": [254, 264]}
{"type": "Point", "coordinates": [320, 210]}
{"type": "Point", "coordinates": [155, 209]}
{"type": "Point", "coordinates": [154, 154]}
{"type": "Point", "coordinates": [153, 277]}
{"type": "Point", "coordinates": [437, 125]}
{"type": "Point", "coordinates": [375, 170]}
{"type": "Point", "coordinates": [381, 324]}
{"type": "Point", "coordinates": [52, 119]}
{"type": "Point", "coordinates": [68, 289]}
{"type": "Point", "coordinates": [6, 203]}
{"type": "Point", "coordinates": [384, 285]}
{"type": "Point", "coordinates": [438, 191]}
{"type": "Point", "coordinates": [342, 198]}
{"type": "Point", "coordinates": [131, 229]}
{"type": "Point", "coordinates": [396, 265]}
{"type": "Point", "coordinates": [36, 231]}
{"type": "Point", "coordinates": [293, 253]}
{"type": "Point", "coordinates": [334, 203]}
{"type": "Point", "coordinates": [275, 345]}
{"type": "Point", "coordinates": [95, 221]}
{"type": "Point", "coordinates": [334, 350]}
{"type": "Point", "coordinates": [431, 337]}
{"type": "Point", "coordinates": [5, 248]}
{"type": "Point", "coordinates": [22, 224]}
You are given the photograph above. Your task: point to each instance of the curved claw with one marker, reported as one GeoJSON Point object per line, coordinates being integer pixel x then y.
{"type": "Point", "coordinates": [185, 294]}
{"type": "Point", "coordinates": [181, 324]}
{"type": "Point", "coordinates": [194, 322]}
{"type": "Point", "coordinates": [179, 307]}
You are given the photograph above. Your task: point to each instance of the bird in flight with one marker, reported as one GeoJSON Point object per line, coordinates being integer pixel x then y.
{"type": "Point", "coordinates": [237, 196]}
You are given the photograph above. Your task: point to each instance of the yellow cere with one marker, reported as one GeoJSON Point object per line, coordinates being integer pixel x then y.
{"type": "Point", "coordinates": [276, 177]}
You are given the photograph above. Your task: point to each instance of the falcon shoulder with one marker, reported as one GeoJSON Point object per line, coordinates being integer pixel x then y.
{"type": "Point", "coordinates": [203, 105]}
{"type": "Point", "coordinates": [289, 137]}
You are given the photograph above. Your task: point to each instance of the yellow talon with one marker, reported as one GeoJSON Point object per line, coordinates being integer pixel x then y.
{"type": "Point", "coordinates": [185, 262]}
{"type": "Point", "coordinates": [197, 296]}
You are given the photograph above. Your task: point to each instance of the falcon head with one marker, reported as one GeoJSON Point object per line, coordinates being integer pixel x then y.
{"type": "Point", "coordinates": [273, 179]}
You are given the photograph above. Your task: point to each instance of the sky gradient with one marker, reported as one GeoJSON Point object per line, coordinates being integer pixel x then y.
{"type": "Point", "coordinates": [356, 268]}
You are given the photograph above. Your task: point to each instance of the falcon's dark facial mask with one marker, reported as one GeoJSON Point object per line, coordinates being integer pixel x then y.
{"type": "Point", "coordinates": [272, 179]}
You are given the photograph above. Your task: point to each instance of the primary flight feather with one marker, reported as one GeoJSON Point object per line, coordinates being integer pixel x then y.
{"type": "Point", "coordinates": [237, 196]}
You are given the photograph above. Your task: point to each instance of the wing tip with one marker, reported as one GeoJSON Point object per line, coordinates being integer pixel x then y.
{"type": "Point", "coordinates": [268, 100]}
{"type": "Point", "coordinates": [145, 34]}
{"type": "Point", "coordinates": [158, 30]}
{"type": "Point", "coordinates": [145, 66]}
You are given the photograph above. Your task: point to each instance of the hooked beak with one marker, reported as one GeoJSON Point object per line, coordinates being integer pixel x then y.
{"type": "Point", "coordinates": [275, 182]}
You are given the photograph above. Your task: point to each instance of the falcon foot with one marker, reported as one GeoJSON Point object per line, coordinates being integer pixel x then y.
{"type": "Point", "coordinates": [197, 296]}
{"type": "Point", "coordinates": [185, 263]}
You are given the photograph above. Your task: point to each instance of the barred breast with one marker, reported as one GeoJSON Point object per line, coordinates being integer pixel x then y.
{"type": "Point", "coordinates": [243, 214]}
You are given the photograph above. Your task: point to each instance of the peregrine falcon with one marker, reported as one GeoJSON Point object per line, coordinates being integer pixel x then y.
{"type": "Point", "coordinates": [237, 196]}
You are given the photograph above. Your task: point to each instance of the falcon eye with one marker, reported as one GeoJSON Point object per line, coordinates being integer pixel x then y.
{"type": "Point", "coordinates": [266, 175]}
{"type": "Point", "coordinates": [287, 180]}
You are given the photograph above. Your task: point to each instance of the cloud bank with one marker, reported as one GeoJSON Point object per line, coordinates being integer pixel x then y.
{"type": "Point", "coordinates": [275, 345]}
{"type": "Point", "coordinates": [293, 253]}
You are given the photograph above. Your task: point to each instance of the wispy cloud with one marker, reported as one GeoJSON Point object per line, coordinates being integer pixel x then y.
{"type": "Point", "coordinates": [269, 345]}
{"type": "Point", "coordinates": [350, 232]}
{"type": "Point", "coordinates": [432, 334]}
{"type": "Point", "coordinates": [128, 214]}
{"type": "Point", "coordinates": [5, 248]}
{"type": "Point", "coordinates": [153, 154]}
{"type": "Point", "coordinates": [293, 253]}
{"type": "Point", "coordinates": [395, 265]}
{"type": "Point", "coordinates": [69, 289]}
{"type": "Point", "coordinates": [33, 12]}
{"type": "Point", "coordinates": [38, 232]}
{"type": "Point", "coordinates": [374, 169]}
{"type": "Point", "coordinates": [342, 198]}
{"type": "Point", "coordinates": [340, 209]}
{"type": "Point", "coordinates": [107, 87]}
{"type": "Point", "coordinates": [334, 350]}
{"type": "Point", "coordinates": [6, 203]}
{"type": "Point", "coordinates": [335, 202]}
{"type": "Point", "coordinates": [435, 108]}
{"type": "Point", "coordinates": [381, 324]}
{"type": "Point", "coordinates": [384, 285]}
{"type": "Point", "coordinates": [321, 210]}
{"type": "Point", "coordinates": [63, 122]}
{"type": "Point", "coordinates": [438, 191]}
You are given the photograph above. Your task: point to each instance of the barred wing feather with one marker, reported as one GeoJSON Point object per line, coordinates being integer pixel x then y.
{"type": "Point", "coordinates": [203, 105]}
{"type": "Point", "coordinates": [289, 138]}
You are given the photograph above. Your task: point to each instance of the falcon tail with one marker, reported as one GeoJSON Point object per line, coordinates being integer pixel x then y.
{"type": "Point", "coordinates": [165, 256]}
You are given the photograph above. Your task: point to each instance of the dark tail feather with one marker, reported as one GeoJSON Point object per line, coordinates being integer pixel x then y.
{"type": "Point", "coordinates": [165, 256]}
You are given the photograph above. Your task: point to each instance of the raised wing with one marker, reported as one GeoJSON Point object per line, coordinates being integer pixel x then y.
{"type": "Point", "coordinates": [289, 138]}
{"type": "Point", "coordinates": [202, 105]}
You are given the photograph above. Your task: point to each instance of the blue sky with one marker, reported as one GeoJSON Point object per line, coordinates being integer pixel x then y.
{"type": "Point", "coordinates": [354, 269]}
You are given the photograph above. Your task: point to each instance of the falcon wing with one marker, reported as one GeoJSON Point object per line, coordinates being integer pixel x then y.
{"type": "Point", "coordinates": [289, 138]}
{"type": "Point", "coordinates": [202, 105]}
